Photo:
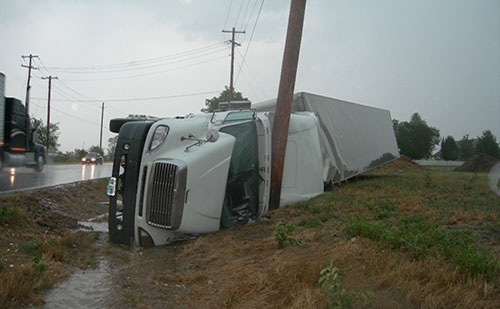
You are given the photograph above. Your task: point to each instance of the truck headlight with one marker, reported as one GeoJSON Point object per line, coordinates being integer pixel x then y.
{"type": "Point", "coordinates": [159, 136]}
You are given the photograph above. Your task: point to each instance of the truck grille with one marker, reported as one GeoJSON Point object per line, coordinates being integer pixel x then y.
{"type": "Point", "coordinates": [165, 197]}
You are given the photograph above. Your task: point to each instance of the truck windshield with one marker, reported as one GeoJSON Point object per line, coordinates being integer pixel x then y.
{"type": "Point", "coordinates": [238, 116]}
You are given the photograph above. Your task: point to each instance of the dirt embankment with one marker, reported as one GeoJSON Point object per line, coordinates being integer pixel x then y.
{"type": "Point", "coordinates": [38, 245]}
{"type": "Point", "coordinates": [402, 164]}
{"type": "Point", "coordinates": [479, 163]}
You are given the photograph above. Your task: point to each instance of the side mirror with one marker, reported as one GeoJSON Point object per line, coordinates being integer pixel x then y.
{"type": "Point", "coordinates": [212, 136]}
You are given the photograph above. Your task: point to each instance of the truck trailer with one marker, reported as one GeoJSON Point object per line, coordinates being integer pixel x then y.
{"type": "Point", "coordinates": [16, 137]}
{"type": "Point", "coordinates": [175, 178]}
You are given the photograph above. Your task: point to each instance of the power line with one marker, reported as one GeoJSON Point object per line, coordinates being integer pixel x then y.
{"type": "Point", "coordinates": [139, 99]}
{"type": "Point", "coordinates": [227, 16]}
{"type": "Point", "coordinates": [72, 116]}
{"type": "Point", "coordinates": [144, 63]}
{"type": "Point", "coordinates": [251, 36]}
{"type": "Point", "coordinates": [244, 63]}
{"type": "Point", "coordinates": [238, 15]}
{"type": "Point", "coordinates": [245, 15]}
{"type": "Point", "coordinates": [250, 18]}
{"type": "Point", "coordinates": [150, 73]}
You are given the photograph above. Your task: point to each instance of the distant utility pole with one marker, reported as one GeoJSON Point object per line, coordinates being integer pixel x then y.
{"type": "Point", "coordinates": [102, 119]}
{"type": "Point", "coordinates": [50, 78]}
{"type": "Point", "coordinates": [231, 89]}
{"type": "Point", "coordinates": [28, 87]}
{"type": "Point", "coordinates": [285, 97]}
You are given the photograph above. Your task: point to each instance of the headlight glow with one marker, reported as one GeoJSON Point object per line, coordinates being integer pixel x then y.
{"type": "Point", "coordinates": [159, 137]}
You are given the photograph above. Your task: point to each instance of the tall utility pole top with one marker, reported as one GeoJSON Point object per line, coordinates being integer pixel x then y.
{"type": "Point", "coordinates": [28, 87]}
{"type": "Point", "coordinates": [232, 41]}
{"type": "Point", "coordinates": [50, 78]}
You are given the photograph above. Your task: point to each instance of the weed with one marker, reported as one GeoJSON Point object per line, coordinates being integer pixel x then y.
{"type": "Point", "coordinates": [428, 181]}
{"type": "Point", "coordinates": [134, 297]}
{"type": "Point", "coordinates": [422, 238]}
{"type": "Point", "coordinates": [311, 222]}
{"type": "Point", "coordinates": [282, 235]}
{"type": "Point", "coordinates": [37, 262]}
{"type": "Point", "coordinates": [10, 215]}
{"type": "Point", "coordinates": [332, 284]}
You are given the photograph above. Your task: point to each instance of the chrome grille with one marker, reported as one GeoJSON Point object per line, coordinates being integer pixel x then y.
{"type": "Point", "coordinates": [165, 198]}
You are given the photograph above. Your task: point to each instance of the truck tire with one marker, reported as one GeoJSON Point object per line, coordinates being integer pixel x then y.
{"type": "Point", "coordinates": [40, 161]}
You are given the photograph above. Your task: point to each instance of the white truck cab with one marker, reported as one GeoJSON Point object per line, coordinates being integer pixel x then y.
{"type": "Point", "coordinates": [178, 177]}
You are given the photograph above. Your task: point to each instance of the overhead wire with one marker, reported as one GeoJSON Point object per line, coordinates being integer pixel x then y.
{"type": "Point", "coordinates": [66, 96]}
{"type": "Point", "coordinates": [135, 63]}
{"type": "Point", "coordinates": [238, 15]}
{"type": "Point", "coordinates": [140, 98]}
{"type": "Point", "coordinates": [184, 58]}
{"type": "Point", "coordinates": [244, 63]}
{"type": "Point", "coordinates": [244, 15]}
{"type": "Point", "coordinates": [250, 40]}
{"type": "Point", "coordinates": [225, 21]}
{"type": "Point", "coordinates": [150, 73]}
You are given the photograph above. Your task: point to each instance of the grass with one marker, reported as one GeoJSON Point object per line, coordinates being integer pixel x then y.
{"type": "Point", "coordinates": [425, 238]}
{"type": "Point", "coordinates": [421, 238]}
{"type": "Point", "coordinates": [38, 247]}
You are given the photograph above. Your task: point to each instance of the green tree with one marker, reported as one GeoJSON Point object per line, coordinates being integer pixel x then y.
{"type": "Point", "coordinates": [97, 149]}
{"type": "Point", "coordinates": [415, 138]}
{"type": "Point", "coordinates": [487, 144]}
{"type": "Point", "coordinates": [449, 148]}
{"type": "Point", "coordinates": [40, 135]}
{"type": "Point", "coordinates": [80, 153]}
{"type": "Point", "coordinates": [112, 141]}
{"type": "Point", "coordinates": [213, 103]}
{"type": "Point", "coordinates": [465, 148]}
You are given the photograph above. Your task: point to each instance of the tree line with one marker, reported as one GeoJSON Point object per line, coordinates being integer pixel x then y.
{"type": "Point", "coordinates": [417, 140]}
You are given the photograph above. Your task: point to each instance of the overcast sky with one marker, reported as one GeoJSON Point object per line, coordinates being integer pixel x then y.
{"type": "Point", "coordinates": [438, 58]}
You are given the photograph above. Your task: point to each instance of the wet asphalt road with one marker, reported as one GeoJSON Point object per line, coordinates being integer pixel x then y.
{"type": "Point", "coordinates": [21, 178]}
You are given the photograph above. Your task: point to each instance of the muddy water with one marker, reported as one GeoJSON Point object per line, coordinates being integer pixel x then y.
{"type": "Point", "coordinates": [85, 288]}
{"type": "Point", "coordinates": [125, 277]}
{"type": "Point", "coordinates": [89, 288]}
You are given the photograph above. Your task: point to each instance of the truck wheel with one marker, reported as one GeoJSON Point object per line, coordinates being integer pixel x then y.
{"type": "Point", "coordinates": [39, 163]}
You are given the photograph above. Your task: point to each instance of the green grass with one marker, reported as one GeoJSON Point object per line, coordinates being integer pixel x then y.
{"type": "Point", "coordinates": [422, 238]}
{"type": "Point", "coordinates": [449, 215]}
{"type": "Point", "coordinates": [10, 215]}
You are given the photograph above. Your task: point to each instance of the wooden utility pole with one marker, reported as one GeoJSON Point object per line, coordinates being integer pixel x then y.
{"type": "Point", "coordinates": [50, 78]}
{"type": "Point", "coordinates": [27, 101]}
{"type": "Point", "coordinates": [285, 97]}
{"type": "Point", "coordinates": [233, 42]}
{"type": "Point", "coordinates": [102, 119]}
{"type": "Point", "coordinates": [28, 87]}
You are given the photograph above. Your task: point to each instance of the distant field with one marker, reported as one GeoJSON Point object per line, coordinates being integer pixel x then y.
{"type": "Point", "coordinates": [441, 168]}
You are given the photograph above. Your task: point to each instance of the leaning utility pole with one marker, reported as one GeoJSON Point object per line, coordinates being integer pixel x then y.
{"type": "Point", "coordinates": [27, 101]}
{"type": "Point", "coordinates": [102, 119]}
{"type": "Point", "coordinates": [285, 97]}
{"type": "Point", "coordinates": [50, 78]}
{"type": "Point", "coordinates": [231, 89]}
{"type": "Point", "coordinates": [28, 87]}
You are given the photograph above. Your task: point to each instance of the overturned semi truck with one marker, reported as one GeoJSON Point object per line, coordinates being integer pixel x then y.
{"type": "Point", "coordinates": [177, 177]}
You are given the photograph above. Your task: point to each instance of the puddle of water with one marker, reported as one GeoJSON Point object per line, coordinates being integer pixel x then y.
{"type": "Point", "coordinates": [89, 288]}
{"type": "Point", "coordinates": [101, 227]}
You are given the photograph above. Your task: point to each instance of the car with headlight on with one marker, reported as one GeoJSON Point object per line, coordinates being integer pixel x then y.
{"type": "Point", "coordinates": [92, 158]}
